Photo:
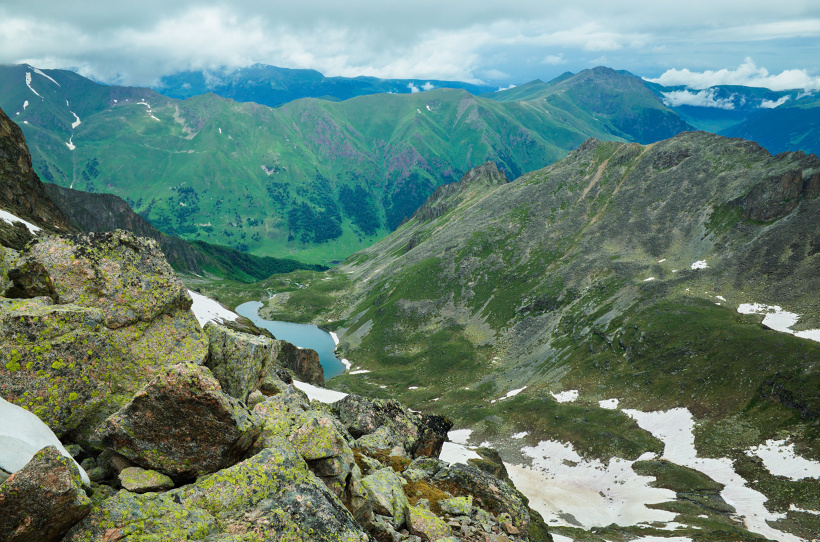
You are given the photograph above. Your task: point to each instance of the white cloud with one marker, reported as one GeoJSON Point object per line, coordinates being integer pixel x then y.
{"type": "Point", "coordinates": [506, 88]}
{"type": "Point", "coordinates": [553, 60]}
{"type": "Point", "coordinates": [771, 104]}
{"type": "Point", "coordinates": [703, 98]}
{"type": "Point", "coordinates": [413, 88]}
{"type": "Point", "coordinates": [428, 86]}
{"type": "Point", "coordinates": [747, 74]}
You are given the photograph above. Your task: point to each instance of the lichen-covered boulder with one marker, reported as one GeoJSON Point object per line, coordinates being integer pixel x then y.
{"type": "Point", "coordinates": [125, 276]}
{"type": "Point", "coordinates": [488, 492]}
{"type": "Point", "coordinates": [62, 363]}
{"type": "Point", "coordinates": [271, 496]}
{"type": "Point", "coordinates": [457, 506]}
{"type": "Point", "coordinates": [43, 500]}
{"type": "Point", "coordinates": [142, 481]}
{"type": "Point", "coordinates": [387, 495]}
{"type": "Point", "coordinates": [304, 362]}
{"type": "Point", "coordinates": [386, 424]}
{"type": "Point", "coordinates": [425, 524]}
{"type": "Point", "coordinates": [239, 361]}
{"type": "Point", "coordinates": [181, 424]}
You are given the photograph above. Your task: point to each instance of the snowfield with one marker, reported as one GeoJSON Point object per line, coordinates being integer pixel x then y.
{"type": "Point", "coordinates": [207, 310]}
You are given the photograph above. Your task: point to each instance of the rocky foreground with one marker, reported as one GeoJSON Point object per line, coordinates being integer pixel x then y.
{"type": "Point", "coordinates": [192, 434]}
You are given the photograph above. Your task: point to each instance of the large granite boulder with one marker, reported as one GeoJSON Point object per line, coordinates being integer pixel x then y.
{"type": "Point", "coordinates": [125, 276]}
{"type": "Point", "coordinates": [238, 360]}
{"type": "Point", "coordinates": [43, 500]}
{"type": "Point", "coordinates": [62, 363]}
{"type": "Point", "coordinates": [385, 424]}
{"type": "Point", "coordinates": [271, 496]}
{"type": "Point", "coordinates": [182, 425]}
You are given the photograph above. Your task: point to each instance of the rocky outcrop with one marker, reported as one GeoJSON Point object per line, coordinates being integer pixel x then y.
{"type": "Point", "coordinates": [271, 496]}
{"type": "Point", "coordinates": [43, 500]}
{"type": "Point", "coordinates": [387, 425]}
{"type": "Point", "coordinates": [21, 192]}
{"type": "Point", "coordinates": [780, 195]}
{"type": "Point", "coordinates": [304, 362]}
{"type": "Point", "coordinates": [182, 425]}
{"type": "Point", "coordinates": [110, 312]}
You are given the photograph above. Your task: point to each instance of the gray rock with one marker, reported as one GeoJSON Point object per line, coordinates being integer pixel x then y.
{"type": "Point", "coordinates": [387, 495]}
{"type": "Point", "coordinates": [304, 362]}
{"type": "Point", "coordinates": [239, 361]}
{"type": "Point", "coordinates": [43, 500]}
{"type": "Point", "coordinates": [142, 481]}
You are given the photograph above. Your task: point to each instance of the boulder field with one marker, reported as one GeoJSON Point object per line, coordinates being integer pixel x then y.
{"type": "Point", "coordinates": [199, 434]}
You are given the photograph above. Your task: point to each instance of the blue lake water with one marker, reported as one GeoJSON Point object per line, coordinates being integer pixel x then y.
{"type": "Point", "coordinates": [302, 335]}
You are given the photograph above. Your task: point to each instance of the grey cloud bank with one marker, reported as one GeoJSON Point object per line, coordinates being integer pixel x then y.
{"type": "Point", "coordinates": [479, 41]}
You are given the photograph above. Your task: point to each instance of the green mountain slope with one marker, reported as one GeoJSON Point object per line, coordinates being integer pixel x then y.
{"type": "Point", "coordinates": [616, 272]}
{"type": "Point", "coordinates": [274, 86]}
{"type": "Point", "coordinates": [789, 127]}
{"type": "Point", "coordinates": [314, 180]}
{"type": "Point", "coordinates": [619, 100]}
{"type": "Point", "coordinates": [107, 212]}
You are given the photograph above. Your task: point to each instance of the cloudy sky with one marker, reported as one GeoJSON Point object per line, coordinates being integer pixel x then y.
{"type": "Point", "coordinates": [696, 42]}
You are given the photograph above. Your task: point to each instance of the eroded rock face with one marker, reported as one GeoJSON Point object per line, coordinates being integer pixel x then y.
{"type": "Point", "coordinates": [182, 424]}
{"type": "Point", "coordinates": [239, 361]}
{"type": "Point", "coordinates": [125, 276]}
{"type": "Point", "coordinates": [43, 500]}
{"type": "Point", "coordinates": [304, 363]}
{"type": "Point", "coordinates": [778, 196]}
{"type": "Point", "coordinates": [378, 424]}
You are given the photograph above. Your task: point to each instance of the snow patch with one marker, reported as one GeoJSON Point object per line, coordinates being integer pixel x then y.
{"type": "Point", "coordinates": [220, 130]}
{"type": "Point", "coordinates": [345, 362]}
{"type": "Point", "coordinates": [778, 319]}
{"type": "Point", "coordinates": [428, 108]}
{"type": "Point", "coordinates": [207, 310]}
{"type": "Point", "coordinates": [335, 338]}
{"type": "Point", "coordinates": [510, 394]}
{"type": "Point", "coordinates": [456, 453]}
{"type": "Point", "coordinates": [38, 72]}
{"type": "Point", "coordinates": [661, 261]}
{"type": "Point", "coordinates": [413, 388]}
{"type": "Point", "coordinates": [28, 83]}
{"type": "Point", "coordinates": [11, 219]}
{"type": "Point", "coordinates": [70, 144]}
{"type": "Point", "coordinates": [76, 122]}
{"type": "Point", "coordinates": [700, 264]}
{"type": "Point", "coordinates": [793, 508]}
{"type": "Point", "coordinates": [522, 434]}
{"type": "Point", "coordinates": [319, 394]}
{"type": "Point", "coordinates": [23, 434]}
{"type": "Point", "coordinates": [460, 436]}
{"type": "Point", "coordinates": [781, 460]}
{"type": "Point", "coordinates": [648, 279]}
{"type": "Point", "coordinates": [25, 104]}
{"type": "Point", "coordinates": [675, 429]}
{"type": "Point", "coordinates": [609, 404]}
{"type": "Point", "coordinates": [359, 372]}
{"type": "Point", "coordinates": [595, 493]}
{"type": "Point", "coordinates": [568, 396]}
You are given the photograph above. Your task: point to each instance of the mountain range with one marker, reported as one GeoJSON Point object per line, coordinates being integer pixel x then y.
{"type": "Point", "coordinates": [274, 86]}
{"type": "Point", "coordinates": [624, 274]}
{"type": "Point", "coordinates": [312, 179]}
